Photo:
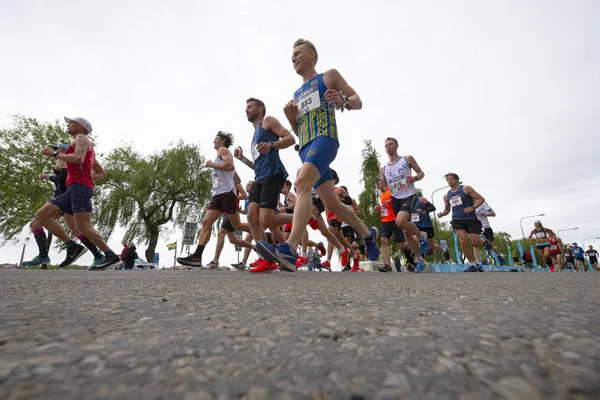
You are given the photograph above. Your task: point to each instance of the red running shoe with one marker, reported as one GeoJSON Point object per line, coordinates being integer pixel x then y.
{"type": "Point", "coordinates": [264, 267]}
{"type": "Point", "coordinates": [325, 264]}
{"type": "Point", "coordinates": [322, 249]}
{"type": "Point", "coordinates": [301, 261]}
{"type": "Point", "coordinates": [313, 223]}
{"type": "Point", "coordinates": [344, 255]}
{"type": "Point", "coordinates": [257, 262]}
{"type": "Point", "coordinates": [356, 269]}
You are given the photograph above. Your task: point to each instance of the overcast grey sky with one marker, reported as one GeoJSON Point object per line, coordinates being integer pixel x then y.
{"type": "Point", "coordinates": [506, 94]}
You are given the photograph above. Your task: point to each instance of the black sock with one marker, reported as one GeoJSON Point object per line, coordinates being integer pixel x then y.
{"type": "Point", "coordinates": [70, 244]}
{"type": "Point", "coordinates": [408, 256]}
{"type": "Point", "coordinates": [199, 251]}
{"type": "Point", "coordinates": [91, 246]}
{"type": "Point", "coordinates": [40, 239]}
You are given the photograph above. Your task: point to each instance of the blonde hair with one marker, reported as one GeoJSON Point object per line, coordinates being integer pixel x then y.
{"type": "Point", "coordinates": [308, 44]}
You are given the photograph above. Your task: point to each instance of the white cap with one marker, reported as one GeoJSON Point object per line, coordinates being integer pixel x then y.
{"type": "Point", "coordinates": [81, 121]}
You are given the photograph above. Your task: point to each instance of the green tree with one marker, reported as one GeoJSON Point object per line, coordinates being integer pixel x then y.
{"type": "Point", "coordinates": [143, 194]}
{"type": "Point", "coordinates": [368, 198]}
{"type": "Point", "coordinates": [21, 191]}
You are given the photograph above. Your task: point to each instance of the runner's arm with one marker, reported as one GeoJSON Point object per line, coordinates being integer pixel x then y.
{"type": "Point", "coordinates": [81, 146]}
{"type": "Point", "coordinates": [99, 172]}
{"type": "Point", "coordinates": [446, 207]}
{"type": "Point", "coordinates": [285, 138]}
{"type": "Point", "coordinates": [382, 176]}
{"type": "Point", "coordinates": [413, 164]}
{"type": "Point", "coordinates": [478, 199]}
{"type": "Point", "coordinates": [227, 158]}
{"type": "Point", "coordinates": [239, 154]}
{"type": "Point", "coordinates": [336, 81]}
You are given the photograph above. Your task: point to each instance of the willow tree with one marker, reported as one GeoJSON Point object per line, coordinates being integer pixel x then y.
{"type": "Point", "coordinates": [145, 193]}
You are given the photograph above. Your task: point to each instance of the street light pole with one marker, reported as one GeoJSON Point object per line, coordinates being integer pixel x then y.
{"type": "Point", "coordinates": [521, 223]}
{"type": "Point", "coordinates": [590, 238]}
{"type": "Point", "coordinates": [562, 230]}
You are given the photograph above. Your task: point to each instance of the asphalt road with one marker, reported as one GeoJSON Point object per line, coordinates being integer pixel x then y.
{"type": "Point", "coordinates": [230, 335]}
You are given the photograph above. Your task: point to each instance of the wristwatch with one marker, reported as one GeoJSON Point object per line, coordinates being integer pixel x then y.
{"type": "Point", "coordinates": [272, 145]}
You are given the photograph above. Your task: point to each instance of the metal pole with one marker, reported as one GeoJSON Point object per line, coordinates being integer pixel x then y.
{"type": "Point", "coordinates": [563, 230]}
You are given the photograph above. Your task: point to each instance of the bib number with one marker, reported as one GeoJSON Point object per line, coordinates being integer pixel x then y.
{"type": "Point", "coordinates": [384, 211]}
{"type": "Point", "coordinates": [455, 201]}
{"type": "Point", "coordinates": [255, 152]}
{"type": "Point", "coordinates": [308, 100]}
{"type": "Point", "coordinates": [415, 217]}
{"type": "Point", "coordinates": [400, 184]}
{"type": "Point", "coordinates": [215, 181]}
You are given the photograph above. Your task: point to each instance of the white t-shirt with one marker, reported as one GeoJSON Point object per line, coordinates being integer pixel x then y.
{"type": "Point", "coordinates": [484, 208]}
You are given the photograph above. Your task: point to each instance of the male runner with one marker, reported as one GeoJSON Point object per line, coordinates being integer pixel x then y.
{"type": "Point", "coordinates": [592, 256]}
{"type": "Point", "coordinates": [224, 200]}
{"type": "Point", "coordinates": [59, 178]}
{"type": "Point", "coordinates": [483, 212]}
{"type": "Point", "coordinates": [578, 253]}
{"type": "Point", "coordinates": [77, 200]}
{"type": "Point", "coordinates": [228, 230]}
{"type": "Point", "coordinates": [420, 217]}
{"type": "Point", "coordinates": [350, 236]}
{"type": "Point", "coordinates": [397, 176]}
{"type": "Point", "coordinates": [270, 174]}
{"type": "Point", "coordinates": [389, 228]}
{"type": "Point", "coordinates": [464, 200]}
{"type": "Point", "coordinates": [311, 114]}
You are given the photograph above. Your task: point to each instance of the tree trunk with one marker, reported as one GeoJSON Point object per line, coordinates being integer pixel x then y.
{"type": "Point", "coordinates": [152, 245]}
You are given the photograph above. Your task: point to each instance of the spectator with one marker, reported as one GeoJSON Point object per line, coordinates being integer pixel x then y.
{"type": "Point", "coordinates": [130, 257]}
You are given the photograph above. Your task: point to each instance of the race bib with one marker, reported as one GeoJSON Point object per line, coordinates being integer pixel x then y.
{"type": "Point", "coordinates": [400, 184]}
{"type": "Point", "coordinates": [540, 235]}
{"type": "Point", "coordinates": [215, 181]}
{"type": "Point", "coordinates": [415, 217]}
{"type": "Point", "coordinates": [308, 100]}
{"type": "Point", "coordinates": [255, 152]}
{"type": "Point", "coordinates": [384, 211]}
{"type": "Point", "coordinates": [455, 201]}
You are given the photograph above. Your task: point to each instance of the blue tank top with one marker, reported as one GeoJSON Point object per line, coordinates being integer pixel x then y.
{"type": "Point", "coordinates": [269, 163]}
{"type": "Point", "coordinates": [316, 117]}
{"type": "Point", "coordinates": [459, 200]}
{"type": "Point", "coordinates": [421, 220]}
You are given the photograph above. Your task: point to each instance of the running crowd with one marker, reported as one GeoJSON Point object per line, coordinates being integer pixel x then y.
{"type": "Point", "coordinates": [276, 230]}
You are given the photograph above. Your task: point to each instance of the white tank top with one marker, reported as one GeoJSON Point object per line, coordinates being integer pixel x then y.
{"type": "Point", "coordinates": [396, 175]}
{"type": "Point", "coordinates": [222, 181]}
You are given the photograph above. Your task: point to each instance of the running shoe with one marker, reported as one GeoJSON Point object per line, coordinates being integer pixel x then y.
{"type": "Point", "coordinates": [256, 263]}
{"type": "Point", "coordinates": [322, 249]}
{"type": "Point", "coordinates": [371, 244]}
{"type": "Point", "coordinates": [190, 261]}
{"type": "Point", "coordinates": [471, 268]}
{"type": "Point", "coordinates": [486, 243]}
{"type": "Point", "coordinates": [385, 268]}
{"type": "Point", "coordinates": [501, 259]}
{"type": "Point", "coordinates": [211, 265]}
{"type": "Point", "coordinates": [73, 255]}
{"type": "Point", "coordinates": [479, 268]}
{"type": "Point", "coordinates": [325, 264]}
{"type": "Point", "coordinates": [313, 223]}
{"type": "Point", "coordinates": [264, 266]}
{"type": "Point", "coordinates": [37, 260]}
{"type": "Point", "coordinates": [356, 269]}
{"type": "Point", "coordinates": [239, 266]}
{"type": "Point", "coordinates": [356, 261]}
{"type": "Point", "coordinates": [420, 266]}
{"type": "Point", "coordinates": [347, 268]}
{"type": "Point", "coordinates": [282, 254]}
{"type": "Point", "coordinates": [301, 261]}
{"type": "Point", "coordinates": [344, 255]}
{"type": "Point", "coordinates": [108, 263]}
{"type": "Point", "coordinates": [423, 243]}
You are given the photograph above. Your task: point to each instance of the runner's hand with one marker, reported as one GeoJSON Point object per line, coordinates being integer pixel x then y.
{"type": "Point", "coordinates": [410, 179]}
{"type": "Point", "coordinates": [47, 151]}
{"type": "Point", "coordinates": [377, 209]}
{"type": "Point", "coordinates": [468, 209]}
{"type": "Point", "coordinates": [291, 110]}
{"type": "Point", "coordinates": [333, 97]}
{"type": "Point", "coordinates": [238, 153]}
{"type": "Point", "coordinates": [263, 147]}
{"type": "Point", "coordinates": [44, 176]}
